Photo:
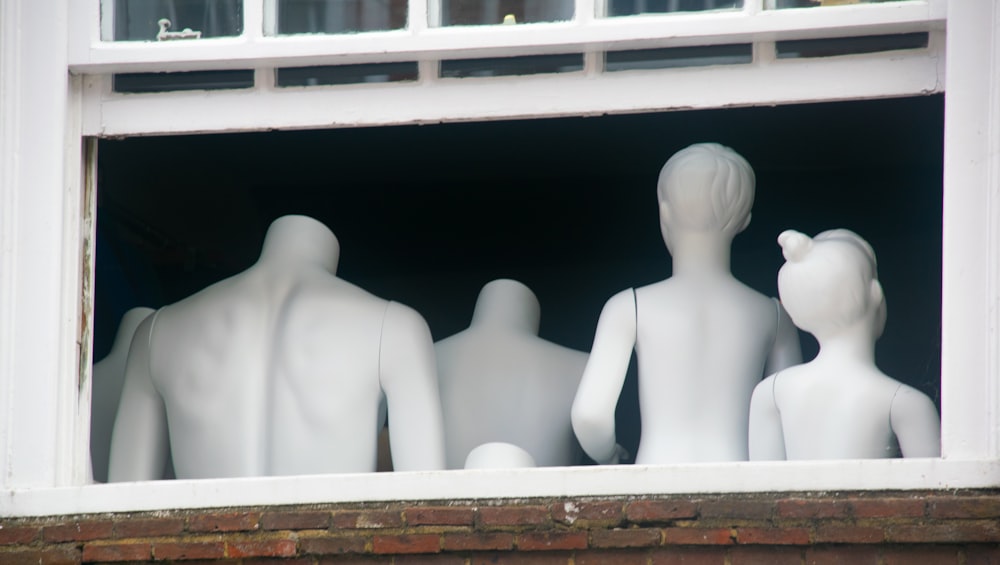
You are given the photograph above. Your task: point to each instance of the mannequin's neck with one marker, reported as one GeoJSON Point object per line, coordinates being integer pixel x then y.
{"type": "Point", "coordinates": [295, 242]}
{"type": "Point", "coordinates": [697, 254]}
{"type": "Point", "coordinates": [853, 344]}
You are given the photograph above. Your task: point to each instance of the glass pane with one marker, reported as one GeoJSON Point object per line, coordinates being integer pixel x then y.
{"type": "Point", "coordinates": [831, 47]}
{"type": "Point", "coordinates": [340, 16]}
{"type": "Point", "coordinates": [486, 12]}
{"type": "Point", "coordinates": [509, 66]}
{"type": "Point", "coordinates": [630, 7]}
{"type": "Point", "coordinates": [346, 74]}
{"type": "Point", "coordinates": [674, 57]}
{"type": "Point", "coordinates": [140, 20]}
{"type": "Point", "coordinates": [193, 80]}
{"type": "Point", "coordinates": [782, 4]}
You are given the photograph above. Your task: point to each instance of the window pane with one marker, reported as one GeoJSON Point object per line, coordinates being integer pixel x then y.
{"type": "Point", "coordinates": [139, 20]}
{"type": "Point", "coordinates": [193, 80]}
{"type": "Point", "coordinates": [630, 7]}
{"type": "Point", "coordinates": [831, 47]}
{"type": "Point", "coordinates": [674, 57]}
{"type": "Point", "coordinates": [347, 74]}
{"type": "Point", "coordinates": [486, 12]}
{"type": "Point", "coordinates": [781, 4]}
{"type": "Point", "coordinates": [508, 66]}
{"type": "Point", "coordinates": [340, 16]}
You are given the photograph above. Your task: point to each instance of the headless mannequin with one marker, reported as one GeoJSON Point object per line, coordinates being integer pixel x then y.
{"type": "Point", "coordinates": [500, 382]}
{"type": "Point", "coordinates": [282, 369]}
{"type": "Point", "coordinates": [839, 405]}
{"type": "Point", "coordinates": [109, 376]}
{"type": "Point", "coordinates": [499, 455]}
{"type": "Point", "coordinates": [703, 340]}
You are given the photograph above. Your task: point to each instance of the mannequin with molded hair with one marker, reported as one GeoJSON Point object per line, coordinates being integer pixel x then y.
{"type": "Point", "coordinates": [500, 382]}
{"type": "Point", "coordinates": [702, 338]}
{"type": "Point", "coordinates": [106, 390]}
{"type": "Point", "coordinates": [839, 405]}
{"type": "Point", "coordinates": [282, 369]}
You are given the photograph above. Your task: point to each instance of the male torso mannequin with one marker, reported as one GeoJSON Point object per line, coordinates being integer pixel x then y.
{"type": "Point", "coordinates": [839, 405]}
{"type": "Point", "coordinates": [279, 370]}
{"type": "Point", "coordinates": [703, 339]}
{"type": "Point", "coordinates": [500, 382]}
{"type": "Point", "coordinates": [109, 376]}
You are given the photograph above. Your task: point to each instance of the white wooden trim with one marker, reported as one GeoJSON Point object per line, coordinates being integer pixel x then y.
{"type": "Point", "coordinates": [414, 44]}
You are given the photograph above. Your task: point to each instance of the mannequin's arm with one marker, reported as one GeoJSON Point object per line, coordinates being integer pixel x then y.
{"type": "Point", "coordinates": [140, 442]}
{"type": "Point", "coordinates": [915, 421]}
{"type": "Point", "coordinates": [408, 374]}
{"type": "Point", "coordinates": [593, 410]}
{"type": "Point", "coordinates": [767, 441]}
{"type": "Point", "coordinates": [786, 351]}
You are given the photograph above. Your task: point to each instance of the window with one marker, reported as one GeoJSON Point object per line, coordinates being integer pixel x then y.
{"type": "Point", "coordinates": [42, 449]}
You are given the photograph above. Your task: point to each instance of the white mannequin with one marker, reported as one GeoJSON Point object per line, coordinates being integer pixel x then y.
{"type": "Point", "coordinates": [279, 370]}
{"type": "Point", "coordinates": [500, 382]}
{"type": "Point", "coordinates": [703, 340]}
{"type": "Point", "coordinates": [839, 405]}
{"type": "Point", "coordinates": [109, 377]}
{"type": "Point", "coordinates": [499, 455]}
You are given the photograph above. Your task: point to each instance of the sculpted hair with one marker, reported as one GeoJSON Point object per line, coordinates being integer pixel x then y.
{"type": "Point", "coordinates": [708, 186]}
{"type": "Point", "coordinates": [860, 280]}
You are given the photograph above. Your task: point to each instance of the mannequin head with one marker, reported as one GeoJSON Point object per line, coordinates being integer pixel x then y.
{"type": "Point", "coordinates": [829, 283]}
{"type": "Point", "coordinates": [301, 240]}
{"type": "Point", "coordinates": [509, 304]}
{"type": "Point", "coordinates": [706, 188]}
{"type": "Point", "coordinates": [499, 455]}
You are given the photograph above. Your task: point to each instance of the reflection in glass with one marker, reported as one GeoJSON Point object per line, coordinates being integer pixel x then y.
{"type": "Point", "coordinates": [630, 7]}
{"type": "Point", "coordinates": [346, 74]}
{"type": "Point", "coordinates": [340, 16]}
{"type": "Point", "coordinates": [782, 4]}
{"type": "Point", "coordinates": [675, 57]}
{"type": "Point", "coordinates": [510, 66]}
{"type": "Point", "coordinates": [136, 20]}
{"type": "Point", "coordinates": [486, 12]}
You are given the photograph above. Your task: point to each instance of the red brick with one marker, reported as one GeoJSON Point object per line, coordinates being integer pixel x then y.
{"type": "Point", "coordinates": [956, 532]}
{"type": "Point", "coordinates": [189, 550]}
{"type": "Point", "coordinates": [608, 512]}
{"type": "Point", "coordinates": [332, 545]}
{"type": "Point", "coordinates": [736, 508]}
{"type": "Point", "coordinates": [117, 552]}
{"type": "Point", "coordinates": [518, 558]}
{"type": "Point", "coordinates": [888, 507]}
{"type": "Point", "coordinates": [697, 536]}
{"type": "Point", "coordinates": [63, 555]}
{"type": "Point", "coordinates": [367, 519]}
{"type": "Point", "coordinates": [261, 548]}
{"type": "Point", "coordinates": [806, 508]}
{"type": "Point", "coordinates": [224, 522]}
{"type": "Point", "coordinates": [77, 531]}
{"type": "Point", "coordinates": [611, 557]}
{"type": "Point", "coordinates": [547, 541]}
{"type": "Point", "coordinates": [295, 520]}
{"type": "Point", "coordinates": [772, 536]}
{"type": "Point", "coordinates": [982, 555]}
{"type": "Point", "coordinates": [406, 543]}
{"type": "Point", "coordinates": [689, 556]}
{"type": "Point", "coordinates": [839, 533]}
{"type": "Point", "coordinates": [440, 516]}
{"type": "Point", "coordinates": [842, 555]}
{"type": "Point", "coordinates": [626, 537]}
{"type": "Point", "coordinates": [353, 560]}
{"type": "Point", "coordinates": [18, 534]}
{"type": "Point", "coordinates": [513, 515]}
{"type": "Point", "coordinates": [429, 560]}
{"type": "Point", "coordinates": [963, 507]}
{"type": "Point", "coordinates": [277, 561]}
{"type": "Point", "coordinates": [920, 555]}
{"type": "Point", "coordinates": [147, 528]}
{"type": "Point", "coordinates": [748, 555]}
{"type": "Point", "coordinates": [477, 541]}
{"type": "Point", "coordinates": [641, 511]}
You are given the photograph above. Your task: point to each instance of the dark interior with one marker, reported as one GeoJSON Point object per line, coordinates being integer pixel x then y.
{"type": "Point", "coordinates": [427, 214]}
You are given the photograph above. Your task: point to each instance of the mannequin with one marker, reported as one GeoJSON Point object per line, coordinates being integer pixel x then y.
{"type": "Point", "coordinates": [703, 339]}
{"type": "Point", "coordinates": [500, 382]}
{"type": "Point", "coordinates": [499, 455]}
{"type": "Point", "coordinates": [279, 370]}
{"type": "Point", "coordinates": [109, 376]}
{"type": "Point", "coordinates": [839, 405]}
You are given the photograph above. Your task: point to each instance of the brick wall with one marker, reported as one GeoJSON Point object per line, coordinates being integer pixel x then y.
{"type": "Point", "coordinates": [939, 528]}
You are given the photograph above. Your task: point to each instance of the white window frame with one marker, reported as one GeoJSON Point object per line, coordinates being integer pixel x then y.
{"type": "Point", "coordinates": [55, 94]}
